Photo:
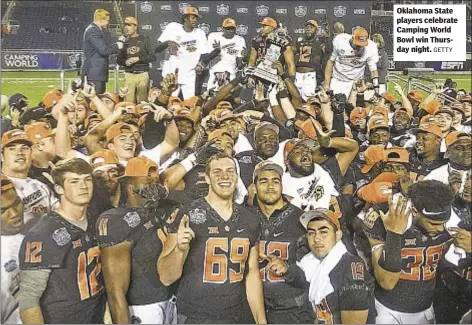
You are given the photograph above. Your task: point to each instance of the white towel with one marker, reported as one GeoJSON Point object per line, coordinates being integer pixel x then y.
{"type": "Point", "coordinates": [317, 272]}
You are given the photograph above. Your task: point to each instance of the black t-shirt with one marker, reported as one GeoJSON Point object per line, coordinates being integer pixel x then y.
{"type": "Point", "coordinates": [75, 291]}
{"type": "Point", "coordinates": [421, 255]}
{"type": "Point", "coordinates": [283, 236]}
{"type": "Point", "coordinates": [212, 285]}
{"type": "Point", "coordinates": [37, 173]}
{"type": "Point", "coordinates": [130, 224]}
{"type": "Point", "coordinates": [247, 162]}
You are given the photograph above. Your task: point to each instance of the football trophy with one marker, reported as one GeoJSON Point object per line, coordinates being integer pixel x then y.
{"type": "Point", "coordinates": [265, 70]}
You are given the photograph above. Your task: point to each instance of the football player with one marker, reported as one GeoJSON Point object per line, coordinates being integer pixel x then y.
{"type": "Point", "coordinates": [130, 239]}
{"type": "Point", "coordinates": [232, 47]}
{"type": "Point", "coordinates": [61, 278]}
{"type": "Point", "coordinates": [12, 227]}
{"type": "Point", "coordinates": [212, 248]}
{"type": "Point", "coordinates": [309, 57]}
{"type": "Point", "coordinates": [347, 63]}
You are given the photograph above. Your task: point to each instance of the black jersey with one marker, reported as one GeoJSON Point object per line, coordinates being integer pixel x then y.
{"type": "Point", "coordinates": [420, 255]}
{"type": "Point", "coordinates": [261, 45]}
{"type": "Point", "coordinates": [75, 291]}
{"type": "Point", "coordinates": [282, 235]}
{"type": "Point", "coordinates": [309, 53]}
{"type": "Point", "coordinates": [247, 162]}
{"type": "Point", "coordinates": [130, 224]}
{"type": "Point", "coordinates": [212, 285]}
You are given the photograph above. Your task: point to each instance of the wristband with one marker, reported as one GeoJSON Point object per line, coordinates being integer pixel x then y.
{"type": "Point", "coordinates": [391, 259]}
{"type": "Point", "coordinates": [283, 93]}
{"type": "Point", "coordinates": [189, 162]}
{"type": "Point", "coordinates": [283, 76]}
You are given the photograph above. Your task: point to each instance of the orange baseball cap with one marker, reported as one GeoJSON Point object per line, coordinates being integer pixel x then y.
{"type": "Point", "coordinates": [131, 21]}
{"type": "Point", "coordinates": [389, 97]}
{"type": "Point", "coordinates": [428, 119]}
{"type": "Point", "coordinates": [229, 23]}
{"type": "Point", "coordinates": [103, 159]}
{"type": "Point", "coordinates": [91, 118]}
{"type": "Point", "coordinates": [14, 136]}
{"type": "Point", "coordinates": [431, 106]}
{"type": "Point", "coordinates": [292, 143]}
{"type": "Point", "coordinates": [455, 136]}
{"type": "Point", "coordinates": [117, 130]}
{"type": "Point", "coordinates": [268, 21]}
{"type": "Point", "coordinates": [432, 128]}
{"type": "Point", "coordinates": [373, 155]}
{"type": "Point", "coordinates": [445, 109]}
{"type": "Point", "coordinates": [38, 130]}
{"type": "Point", "coordinates": [224, 104]}
{"type": "Point", "coordinates": [52, 97]}
{"type": "Point", "coordinates": [357, 113]}
{"type": "Point", "coordinates": [191, 102]}
{"type": "Point", "coordinates": [218, 133]}
{"type": "Point", "coordinates": [397, 155]}
{"type": "Point", "coordinates": [403, 109]}
{"type": "Point", "coordinates": [141, 167]}
{"type": "Point", "coordinates": [325, 214]}
{"type": "Point", "coordinates": [128, 105]}
{"type": "Point", "coordinates": [380, 111]}
{"type": "Point", "coordinates": [191, 11]}
{"type": "Point", "coordinates": [379, 190]}
{"type": "Point", "coordinates": [308, 109]}
{"type": "Point", "coordinates": [307, 127]}
{"type": "Point", "coordinates": [360, 37]}
{"type": "Point", "coordinates": [415, 95]}
{"type": "Point", "coordinates": [377, 123]}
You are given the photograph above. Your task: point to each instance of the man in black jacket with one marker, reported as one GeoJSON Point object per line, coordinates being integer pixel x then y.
{"type": "Point", "coordinates": [135, 57]}
{"type": "Point", "coordinates": [97, 48]}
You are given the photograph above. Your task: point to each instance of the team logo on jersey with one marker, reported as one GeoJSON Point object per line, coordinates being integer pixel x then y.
{"type": "Point", "coordinates": [262, 10]}
{"type": "Point", "coordinates": [242, 10]}
{"type": "Point", "coordinates": [182, 7]}
{"type": "Point", "coordinates": [197, 216]}
{"type": "Point", "coordinates": [370, 218]}
{"type": "Point", "coordinates": [319, 192]}
{"type": "Point", "coordinates": [204, 9]}
{"type": "Point", "coordinates": [146, 27]}
{"type": "Point", "coordinates": [359, 11]}
{"type": "Point", "coordinates": [245, 160]}
{"type": "Point", "coordinates": [205, 27]}
{"type": "Point", "coordinates": [61, 236]}
{"type": "Point", "coordinates": [132, 219]}
{"type": "Point", "coordinates": [300, 11]}
{"type": "Point", "coordinates": [320, 11]}
{"type": "Point", "coordinates": [166, 7]}
{"type": "Point", "coordinates": [77, 243]}
{"type": "Point", "coordinates": [163, 25]}
{"type": "Point", "coordinates": [10, 266]}
{"type": "Point", "coordinates": [241, 30]}
{"type": "Point", "coordinates": [132, 50]}
{"type": "Point", "coordinates": [146, 7]}
{"type": "Point", "coordinates": [222, 9]}
{"type": "Point", "coordinates": [282, 11]}
{"type": "Point", "coordinates": [191, 48]}
{"type": "Point", "coordinates": [410, 242]}
{"type": "Point", "coordinates": [339, 11]}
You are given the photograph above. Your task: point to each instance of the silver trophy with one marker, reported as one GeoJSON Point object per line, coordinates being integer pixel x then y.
{"type": "Point", "coordinates": [265, 70]}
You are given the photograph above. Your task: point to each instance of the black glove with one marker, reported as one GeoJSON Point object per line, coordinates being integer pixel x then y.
{"type": "Point", "coordinates": [152, 195]}
{"type": "Point", "coordinates": [205, 152]}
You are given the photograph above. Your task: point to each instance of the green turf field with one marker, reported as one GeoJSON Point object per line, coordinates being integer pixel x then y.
{"type": "Point", "coordinates": [35, 84]}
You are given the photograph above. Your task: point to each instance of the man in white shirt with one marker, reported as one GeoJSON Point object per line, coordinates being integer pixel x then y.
{"type": "Point", "coordinates": [308, 183]}
{"type": "Point", "coordinates": [12, 227]}
{"type": "Point", "coordinates": [188, 43]}
{"type": "Point", "coordinates": [347, 63]}
{"type": "Point", "coordinates": [231, 46]}
{"type": "Point", "coordinates": [16, 157]}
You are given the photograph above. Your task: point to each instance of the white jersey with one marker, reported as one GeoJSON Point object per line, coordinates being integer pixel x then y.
{"type": "Point", "coordinates": [37, 198]}
{"type": "Point", "coordinates": [191, 46]}
{"type": "Point", "coordinates": [230, 50]}
{"type": "Point", "coordinates": [10, 278]}
{"type": "Point", "coordinates": [310, 192]}
{"type": "Point", "coordinates": [348, 66]}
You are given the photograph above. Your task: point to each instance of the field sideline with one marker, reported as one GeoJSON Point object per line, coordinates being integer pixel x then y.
{"type": "Point", "coordinates": [35, 84]}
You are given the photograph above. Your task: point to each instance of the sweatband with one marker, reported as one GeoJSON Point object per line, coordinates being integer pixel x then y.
{"type": "Point", "coordinates": [391, 259]}
{"type": "Point", "coordinates": [189, 162]}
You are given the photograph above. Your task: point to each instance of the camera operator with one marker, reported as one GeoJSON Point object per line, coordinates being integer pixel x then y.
{"type": "Point", "coordinates": [135, 58]}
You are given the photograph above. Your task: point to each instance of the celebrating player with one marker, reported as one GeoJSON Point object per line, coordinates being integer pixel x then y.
{"type": "Point", "coordinates": [212, 248]}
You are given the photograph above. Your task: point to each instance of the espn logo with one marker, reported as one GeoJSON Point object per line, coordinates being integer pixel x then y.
{"type": "Point", "coordinates": [452, 65]}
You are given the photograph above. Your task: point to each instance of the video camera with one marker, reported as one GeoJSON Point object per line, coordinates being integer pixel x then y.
{"type": "Point", "coordinates": [448, 83]}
